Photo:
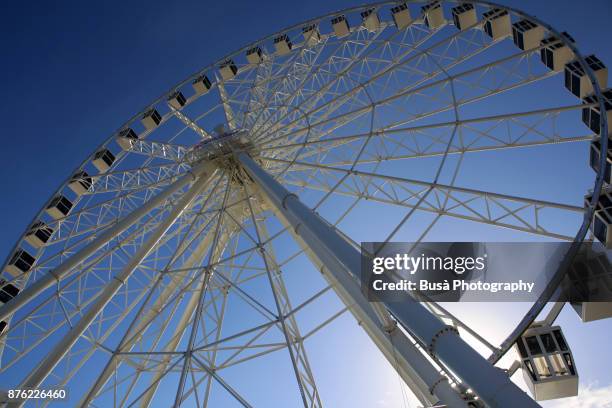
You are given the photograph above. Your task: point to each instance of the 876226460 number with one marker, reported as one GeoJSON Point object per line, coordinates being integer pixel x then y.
{"type": "Point", "coordinates": [17, 394]}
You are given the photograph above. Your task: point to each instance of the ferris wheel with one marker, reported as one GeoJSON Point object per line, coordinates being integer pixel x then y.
{"type": "Point", "coordinates": [195, 256]}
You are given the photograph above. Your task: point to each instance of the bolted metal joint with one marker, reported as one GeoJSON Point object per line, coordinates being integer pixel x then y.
{"type": "Point", "coordinates": [431, 348]}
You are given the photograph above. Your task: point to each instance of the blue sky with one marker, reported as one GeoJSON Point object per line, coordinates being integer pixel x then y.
{"type": "Point", "coordinates": [73, 72]}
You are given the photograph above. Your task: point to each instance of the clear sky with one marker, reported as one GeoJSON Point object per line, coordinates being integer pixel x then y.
{"type": "Point", "coordinates": [73, 72]}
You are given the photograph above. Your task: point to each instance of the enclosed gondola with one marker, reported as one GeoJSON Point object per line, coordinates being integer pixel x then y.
{"type": "Point", "coordinates": [556, 53]}
{"type": "Point", "coordinates": [370, 20]}
{"type": "Point", "coordinates": [228, 70]}
{"type": "Point", "coordinates": [340, 26]}
{"type": "Point", "coordinates": [38, 234]}
{"type": "Point", "coordinates": [201, 84]}
{"type": "Point", "coordinates": [20, 263]}
{"type": "Point", "coordinates": [433, 15]}
{"type": "Point", "coordinates": [282, 44]}
{"type": "Point", "coordinates": [578, 82]}
{"type": "Point", "coordinates": [547, 363]}
{"type": "Point", "coordinates": [401, 16]}
{"type": "Point", "coordinates": [103, 160]}
{"type": "Point", "coordinates": [59, 207]}
{"type": "Point", "coordinates": [177, 100]}
{"type": "Point", "coordinates": [151, 119]}
{"type": "Point", "coordinates": [464, 16]}
{"type": "Point", "coordinates": [497, 23]}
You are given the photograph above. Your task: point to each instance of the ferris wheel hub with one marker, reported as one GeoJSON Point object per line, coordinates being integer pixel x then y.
{"type": "Point", "coordinates": [220, 146]}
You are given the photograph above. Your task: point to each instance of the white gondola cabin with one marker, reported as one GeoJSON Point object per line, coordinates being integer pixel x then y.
{"type": "Point", "coordinates": [151, 119]}
{"type": "Point", "coordinates": [578, 82]}
{"type": "Point", "coordinates": [282, 44]}
{"type": "Point", "coordinates": [497, 23]}
{"type": "Point", "coordinates": [38, 234]}
{"type": "Point", "coordinates": [547, 363]}
{"type": "Point", "coordinates": [591, 273]}
{"type": "Point", "coordinates": [433, 15]}
{"type": "Point", "coordinates": [228, 70]}
{"type": "Point", "coordinates": [7, 291]}
{"type": "Point", "coordinates": [595, 159]}
{"type": "Point", "coordinates": [601, 225]}
{"type": "Point", "coordinates": [103, 160]}
{"type": "Point", "coordinates": [177, 100]}
{"type": "Point", "coordinates": [527, 35]}
{"type": "Point", "coordinates": [370, 20]}
{"type": "Point", "coordinates": [254, 55]}
{"type": "Point", "coordinates": [80, 183]}
{"type": "Point", "coordinates": [464, 16]}
{"type": "Point", "coordinates": [201, 84]}
{"type": "Point", "coordinates": [20, 263]}
{"type": "Point", "coordinates": [401, 16]}
{"type": "Point", "coordinates": [126, 138]}
{"type": "Point", "coordinates": [340, 26]}
{"type": "Point", "coordinates": [556, 53]}
{"type": "Point", "coordinates": [59, 207]}
{"type": "Point", "coordinates": [591, 116]}
{"type": "Point", "coordinates": [311, 34]}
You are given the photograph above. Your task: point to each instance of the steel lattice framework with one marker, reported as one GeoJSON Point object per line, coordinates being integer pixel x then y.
{"type": "Point", "coordinates": [168, 276]}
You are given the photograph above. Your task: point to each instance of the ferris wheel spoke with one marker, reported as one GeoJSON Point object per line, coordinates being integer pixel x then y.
{"type": "Point", "coordinates": [169, 298]}
{"type": "Point", "coordinates": [158, 150]}
{"type": "Point", "coordinates": [143, 177]}
{"type": "Point", "coordinates": [50, 361]}
{"type": "Point", "coordinates": [229, 112]}
{"type": "Point", "coordinates": [104, 212]}
{"type": "Point", "coordinates": [274, 79]}
{"type": "Point", "coordinates": [201, 293]}
{"type": "Point", "coordinates": [411, 65]}
{"type": "Point", "coordinates": [491, 79]}
{"type": "Point", "coordinates": [264, 100]}
{"type": "Point", "coordinates": [28, 328]}
{"type": "Point", "coordinates": [507, 131]}
{"type": "Point", "coordinates": [293, 338]}
{"type": "Point", "coordinates": [81, 254]}
{"type": "Point", "coordinates": [496, 209]}
{"type": "Point", "coordinates": [48, 310]}
{"type": "Point", "coordinates": [526, 124]}
{"type": "Point", "coordinates": [104, 230]}
{"type": "Point", "coordinates": [398, 60]}
{"type": "Point", "coordinates": [190, 123]}
{"type": "Point", "coordinates": [224, 384]}
{"type": "Point", "coordinates": [324, 72]}
{"type": "Point", "coordinates": [76, 283]}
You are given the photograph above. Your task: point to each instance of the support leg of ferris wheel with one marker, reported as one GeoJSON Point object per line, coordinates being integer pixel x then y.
{"type": "Point", "coordinates": [490, 383]}
{"type": "Point", "coordinates": [50, 278]}
{"type": "Point", "coordinates": [145, 318]}
{"type": "Point", "coordinates": [423, 379]}
{"type": "Point", "coordinates": [37, 376]}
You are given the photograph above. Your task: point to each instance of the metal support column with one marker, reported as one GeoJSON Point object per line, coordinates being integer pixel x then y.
{"type": "Point", "coordinates": [36, 377]}
{"type": "Point", "coordinates": [63, 269]}
{"type": "Point", "coordinates": [425, 380]}
{"type": "Point", "coordinates": [490, 383]}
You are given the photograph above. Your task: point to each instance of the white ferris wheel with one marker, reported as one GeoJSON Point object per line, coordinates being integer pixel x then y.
{"type": "Point", "coordinates": [195, 256]}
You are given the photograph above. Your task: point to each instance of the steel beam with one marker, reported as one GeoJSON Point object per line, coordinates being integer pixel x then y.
{"type": "Point", "coordinates": [42, 370]}
{"type": "Point", "coordinates": [423, 378]}
{"type": "Point", "coordinates": [55, 275]}
{"type": "Point", "coordinates": [490, 383]}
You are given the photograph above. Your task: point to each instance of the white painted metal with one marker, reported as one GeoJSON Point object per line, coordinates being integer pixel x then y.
{"type": "Point", "coordinates": [35, 378]}
{"type": "Point", "coordinates": [66, 267]}
{"type": "Point", "coordinates": [490, 383]}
